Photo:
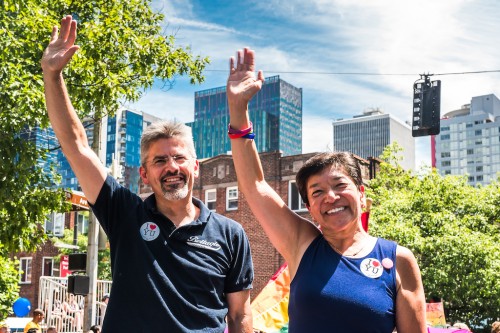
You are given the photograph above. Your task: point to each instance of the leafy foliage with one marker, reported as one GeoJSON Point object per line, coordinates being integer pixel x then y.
{"type": "Point", "coordinates": [9, 287]}
{"type": "Point", "coordinates": [452, 228]}
{"type": "Point", "coordinates": [123, 51]}
{"type": "Point", "coordinates": [104, 257]}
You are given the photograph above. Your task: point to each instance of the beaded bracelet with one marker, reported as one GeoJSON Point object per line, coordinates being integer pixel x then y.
{"type": "Point", "coordinates": [246, 133]}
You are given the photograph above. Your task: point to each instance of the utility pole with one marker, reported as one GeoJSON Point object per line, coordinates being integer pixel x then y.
{"type": "Point", "coordinates": [89, 314]}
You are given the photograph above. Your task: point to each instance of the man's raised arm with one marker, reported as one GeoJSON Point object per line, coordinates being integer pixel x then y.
{"type": "Point", "coordinates": [68, 128]}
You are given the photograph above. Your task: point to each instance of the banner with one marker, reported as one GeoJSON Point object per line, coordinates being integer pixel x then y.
{"type": "Point", "coordinates": [270, 307]}
{"type": "Point", "coordinates": [435, 314]}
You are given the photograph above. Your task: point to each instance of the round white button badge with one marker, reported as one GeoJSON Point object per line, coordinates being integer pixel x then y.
{"type": "Point", "coordinates": [149, 231]}
{"type": "Point", "coordinates": [371, 268]}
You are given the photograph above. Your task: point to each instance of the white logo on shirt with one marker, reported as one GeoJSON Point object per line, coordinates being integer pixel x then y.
{"type": "Point", "coordinates": [201, 243]}
{"type": "Point", "coordinates": [371, 268]}
{"type": "Point", "coordinates": [149, 231]}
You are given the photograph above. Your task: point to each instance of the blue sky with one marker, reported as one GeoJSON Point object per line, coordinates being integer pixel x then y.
{"type": "Point", "coordinates": [315, 37]}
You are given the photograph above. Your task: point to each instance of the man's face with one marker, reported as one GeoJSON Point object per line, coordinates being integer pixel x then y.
{"type": "Point", "coordinates": [38, 318]}
{"type": "Point", "coordinates": [170, 169]}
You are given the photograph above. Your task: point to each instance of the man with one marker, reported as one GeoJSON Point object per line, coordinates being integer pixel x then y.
{"type": "Point", "coordinates": [52, 329]}
{"type": "Point", "coordinates": [176, 265]}
{"type": "Point", "coordinates": [34, 324]}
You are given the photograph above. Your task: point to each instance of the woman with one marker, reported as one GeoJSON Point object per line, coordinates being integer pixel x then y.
{"type": "Point", "coordinates": [343, 279]}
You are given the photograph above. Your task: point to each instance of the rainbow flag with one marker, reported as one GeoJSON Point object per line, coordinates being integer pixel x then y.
{"type": "Point", "coordinates": [270, 307]}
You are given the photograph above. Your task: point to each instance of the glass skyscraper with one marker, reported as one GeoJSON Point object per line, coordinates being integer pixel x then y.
{"type": "Point", "coordinates": [45, 140]}
{"type": "Point", "coordinates": [469, 141]}
{"type": "Point", "coordinates": [368, 134]}
{"type": "Point", "coordinates": [275, 111]}
{"type": "Point", "coordinates": [120, 141]}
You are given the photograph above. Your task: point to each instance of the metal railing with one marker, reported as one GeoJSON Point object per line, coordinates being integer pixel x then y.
{"type": "Point", "coordinates": [64, 310]}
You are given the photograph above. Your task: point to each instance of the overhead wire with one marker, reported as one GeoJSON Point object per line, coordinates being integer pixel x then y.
{"type": "Point", "coordinates": [367, 73]}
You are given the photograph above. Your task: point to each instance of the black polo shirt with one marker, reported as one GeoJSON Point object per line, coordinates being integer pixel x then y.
{"type": "Point", "coordinates": [168, 279]}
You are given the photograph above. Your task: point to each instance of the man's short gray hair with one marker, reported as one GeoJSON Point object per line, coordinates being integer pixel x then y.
{"type": "Point", "coordinates": [166, 129]}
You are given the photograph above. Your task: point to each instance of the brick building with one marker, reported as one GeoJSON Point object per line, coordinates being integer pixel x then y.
{"type": "Point", "coordinates": [40, 263]}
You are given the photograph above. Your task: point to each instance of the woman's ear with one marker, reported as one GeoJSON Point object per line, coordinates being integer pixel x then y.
{"type": "Point", "coordinates": [362, 196]}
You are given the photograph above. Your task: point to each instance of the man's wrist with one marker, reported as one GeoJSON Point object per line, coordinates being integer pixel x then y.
{"type": "Point", "coordinates": [52, 76]}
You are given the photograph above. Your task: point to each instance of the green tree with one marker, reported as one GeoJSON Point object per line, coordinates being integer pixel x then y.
{"type": "Point", "coordinates": [123, 51]}
{"type": "Point", "coordinates": [9, 287]}
{"type": "Point", "coordinates": [452, 228]}
{"type": "Point", "coordinates": [104, 257]}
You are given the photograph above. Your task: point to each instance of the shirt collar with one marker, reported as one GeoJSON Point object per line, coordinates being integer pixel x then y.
{"type": "Point", "coordinates": [204, 216]}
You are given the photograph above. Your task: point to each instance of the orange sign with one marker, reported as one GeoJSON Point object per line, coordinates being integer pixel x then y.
{"type": "Point", "coordinates": [78, 200]}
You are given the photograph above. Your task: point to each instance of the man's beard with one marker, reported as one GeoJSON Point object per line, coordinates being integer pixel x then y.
{"type": "Point", "coordinates": [172, 193]}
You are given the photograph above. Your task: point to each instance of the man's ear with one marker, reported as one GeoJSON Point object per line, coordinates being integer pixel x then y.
{"type": "Point", "coordinates": [196, 169]}
{"type": "Point", "coordinates": [144, 175]}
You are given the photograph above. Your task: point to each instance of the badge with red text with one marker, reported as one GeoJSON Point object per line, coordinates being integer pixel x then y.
{"type": "Point", "coordinates": [371, 268]}
{"type": "Point", "coordinates": [149, 231]}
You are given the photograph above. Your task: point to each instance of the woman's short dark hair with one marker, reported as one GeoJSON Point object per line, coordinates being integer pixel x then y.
{"type": "Point", "coordinates": [342, 160]}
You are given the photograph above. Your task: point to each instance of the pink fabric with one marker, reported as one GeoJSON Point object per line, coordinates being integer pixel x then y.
{"type": "Point", "coordinates": [446, 330]}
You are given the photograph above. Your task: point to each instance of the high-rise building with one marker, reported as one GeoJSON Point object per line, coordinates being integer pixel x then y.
{"type": "Point", "coordinates": [276, 114]}
{"type": "Point", "coordinates": [368, 134]}
{"type": "Point", "coordinates": [123, 140]}
{"type": "Point", "coordinates": [119, 143]}
{"type": "Point", "coordinates": [469, 141]}
{"type": "Point", "coordinates": [45, 140]}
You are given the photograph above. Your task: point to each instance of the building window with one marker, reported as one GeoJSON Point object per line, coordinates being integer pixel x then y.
{"type": "Point", "coordinates": [211, 199]}
{"type": "Point", "coordinates": [445, 163]}
{"type": "Point", "coordinates": [445, 154]}
{"type": "Point", "coordinates": [232, 198]}
{"type": "Point", "coordinates": [54, 225]}
{"type": "Point", "coordinates": [468, 125]}
{"type": "Point", "coordinates": [478, 132]}
{"type": "Point", "coordinates": [25, 269]}
{"type": "Point", "coordinates": [470, 151]}
{"type": "Point", "coordinates": [447, 172]}
{"type": "Point", "coordinates": [445, 128]}
{"type": "Point", "coordinates": [294, 199]}
{"type": "Point", "coordinates": [479, 178]}
{"type": "Point", "coordinates": [445, 137]}
{"type": "Point", "coordinates": [479, 168]}
{"type": "Point", "coordinates": [471, 178]}
{"type": "Point", "coordinates": [48, 266]}
{"type": "Point", "coordinates": [82, 219]}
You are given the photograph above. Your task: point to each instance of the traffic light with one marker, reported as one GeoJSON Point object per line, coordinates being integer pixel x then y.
{"type": "Point", "coordinates": [426, 107]}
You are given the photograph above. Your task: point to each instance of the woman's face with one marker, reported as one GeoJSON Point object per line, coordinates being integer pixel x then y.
{"type": "Point", "coordinates": [335, 202]}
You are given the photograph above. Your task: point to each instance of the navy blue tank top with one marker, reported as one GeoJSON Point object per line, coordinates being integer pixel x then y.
{"type": "Point", "coordinates": [332, 293]}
